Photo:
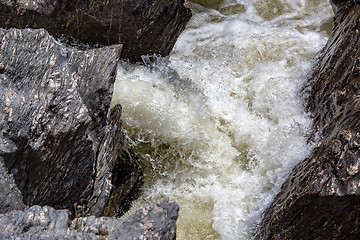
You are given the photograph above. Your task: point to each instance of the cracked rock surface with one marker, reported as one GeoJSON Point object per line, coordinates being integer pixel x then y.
{"type": "Point", "coordinates": [59, 142]}
{"type": "Point", "coordinates": [142, 26]}
{"type": "Point", "coordinates": [321, 197]}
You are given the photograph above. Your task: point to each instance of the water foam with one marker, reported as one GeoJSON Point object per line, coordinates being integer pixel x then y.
{"type": "Point", "coordinates": [219, 125]}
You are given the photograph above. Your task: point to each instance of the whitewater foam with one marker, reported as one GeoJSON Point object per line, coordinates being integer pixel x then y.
{"type": "Point", "coordinates": [219, 124]}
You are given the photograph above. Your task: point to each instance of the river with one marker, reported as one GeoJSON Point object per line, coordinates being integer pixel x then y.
{"type": "Point", "coordinates": [219, 124]}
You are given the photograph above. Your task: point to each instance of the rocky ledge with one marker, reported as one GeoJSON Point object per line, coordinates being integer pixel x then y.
{"type": "Point", "coordinates": [143, 27]}
{"type": "Point", "coordinates": [155, 221]}
{"type": "Point", "coordinates": [321, 197]}
{"type": "Point", "coordinates": [62, 146]}
{"type": "Point", "coordinates": [59, 142]}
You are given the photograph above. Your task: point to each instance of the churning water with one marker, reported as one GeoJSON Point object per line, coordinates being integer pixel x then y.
{"type": "Point", "coordinates": [219, 124]}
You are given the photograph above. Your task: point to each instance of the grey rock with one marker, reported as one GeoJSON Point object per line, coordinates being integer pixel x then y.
{"type": "Point", "coordinates": [142, 26]}
{"type": "Point", "coordinates": [10, 196]}
{"type": "Point", "coordinates": [321, 197]}
{"type": "Point", "coordinates": [59, 142]}
{"type": "Point", "coordinates": [153, 221]}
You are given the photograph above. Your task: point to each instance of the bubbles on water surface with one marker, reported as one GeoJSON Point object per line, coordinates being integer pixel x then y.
{"type": "Point", "coordinates": [219, 124]}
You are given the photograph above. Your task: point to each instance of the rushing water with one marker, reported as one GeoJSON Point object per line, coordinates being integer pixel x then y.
{"type": "Point", "coordinates": [219, 124]}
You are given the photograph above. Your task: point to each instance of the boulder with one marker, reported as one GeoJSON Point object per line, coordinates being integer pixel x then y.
{"type": "Point", "coordinates": [59, 143]}
{"type": "Point", "coordinates": [142, 26]}
{"type": "Point", "coordinates": [153, 221]}
{"type": "Point", "coordinates": [321, 197]}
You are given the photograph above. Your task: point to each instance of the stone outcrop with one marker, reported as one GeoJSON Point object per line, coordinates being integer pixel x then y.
{"type": "Point", "coordinates": [143, 27]}
{"type": "Point", "coordinates": [155, 221]}
{"type": "Point", "coordinates": [321, 197]}
{"type": "Point", "coordinates": [59, 143]}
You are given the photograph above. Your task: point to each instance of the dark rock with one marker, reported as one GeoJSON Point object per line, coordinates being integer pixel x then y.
{"type": "Point", "coordinates": [343, 4]}
{"type": "Point", "coordinates": [58, 140]}
{"type": "Point", "coordinates": [142, 26]}
{"type": "Point", "coordinates": [154, 221]}
{"type": "Point", "coordinates": [127, 178]}
{"type": "Point", "coordinates": [321, 197]}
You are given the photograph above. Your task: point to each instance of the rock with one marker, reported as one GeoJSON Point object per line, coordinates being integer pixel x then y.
{"type": "Point", "coordinates": [58, 141]}
{"type": "Point", "coordinates": [153, 221]}
{"type": "Point", "coordinates": [10, 196]}
{"type": "Point", "coordinates": [342, 4]}
{"type": "Point", "coordinates": [142, 26]}
{"type": "Point", "coordinates": [153, 26]}
{"type": "Point", "coordinates": [321, 197]}
{"type": "Point", "coordinates": [156, 221]}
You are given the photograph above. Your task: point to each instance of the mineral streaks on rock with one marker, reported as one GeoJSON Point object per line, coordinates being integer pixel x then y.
{"type": "Point", "coordinates": [153, 221]}
{"type": "Point", "coordinates": [142, 26]}
{"type": "Point", "coordinates": [321, 197]}
{"type": "Point", "coordinates": [57, 140]}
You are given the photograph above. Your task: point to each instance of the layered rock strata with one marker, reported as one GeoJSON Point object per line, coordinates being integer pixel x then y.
{"type": "Point", "coordinates": [321, 197]}
{"type": "Point", "coordinates": [155, 221]}
{"type": "Point", "coordinates": [143, 27]}
{"type": "Point", "coordinates": [59, 143]}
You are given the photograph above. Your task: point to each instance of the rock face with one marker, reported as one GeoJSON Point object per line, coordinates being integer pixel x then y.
{"type": "Point", "coordinates": [142, 26]}
{"type": "Point", "coordinates": [342, 4]}
{"type": "Point", "coordinates": [155, 221]}
{"type": "Point", "coordinates": [321, 197]}
{"type": "Point", "coordinates": [59, 143]}
{"type": "Point", "coordinates": [10, 196]}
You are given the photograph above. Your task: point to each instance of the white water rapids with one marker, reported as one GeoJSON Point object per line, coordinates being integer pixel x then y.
{"type": "Point", "coordinates": [219, 124]}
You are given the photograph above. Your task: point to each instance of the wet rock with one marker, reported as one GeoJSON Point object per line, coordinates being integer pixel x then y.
{"type": "Point", "coordinates": [343, 4]}
{"type": "Point", "coordinates": [59, 142]}
{"type": "Point", "coordinates": [321, 197]}
{"type": "Point", "coordinates": [153, 221]}
{"type": "Point", "coordinates": [142, 26]}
